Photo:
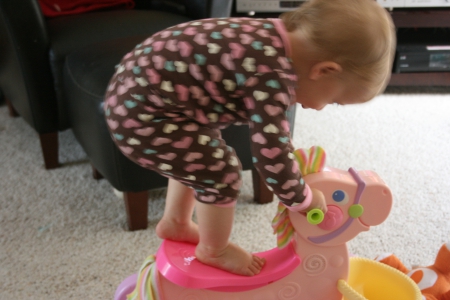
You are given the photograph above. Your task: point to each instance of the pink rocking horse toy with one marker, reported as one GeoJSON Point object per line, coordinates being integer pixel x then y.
{"type": "Point", "coordinates": [308, 263]}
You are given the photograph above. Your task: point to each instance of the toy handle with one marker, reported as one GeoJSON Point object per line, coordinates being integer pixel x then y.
{"type": "Point", "coordinates": [315, 216]}
{"type": "Point", "coordinates": [349, 292]}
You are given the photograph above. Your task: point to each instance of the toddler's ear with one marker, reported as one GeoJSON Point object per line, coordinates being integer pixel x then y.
{"type": "Point", "coordinates": [324, 68]}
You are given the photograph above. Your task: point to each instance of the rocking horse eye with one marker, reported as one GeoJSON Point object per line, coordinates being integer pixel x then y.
{"type": "Point", "coordinates": [340, 197]}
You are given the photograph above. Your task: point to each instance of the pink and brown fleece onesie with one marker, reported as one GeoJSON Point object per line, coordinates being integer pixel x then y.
{"type": "Point", "coordinates": [171, 95]}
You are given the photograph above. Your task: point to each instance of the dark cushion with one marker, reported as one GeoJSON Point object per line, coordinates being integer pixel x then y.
{"type": "Point", "coordinates": [91, 68]}
{"type": "Point", "coordinates": [69, 34]}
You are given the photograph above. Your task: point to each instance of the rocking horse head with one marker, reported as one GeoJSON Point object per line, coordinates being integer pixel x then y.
{"type": "Point", "coordinates": [355, 200]}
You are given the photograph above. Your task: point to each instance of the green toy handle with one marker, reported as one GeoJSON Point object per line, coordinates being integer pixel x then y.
{"type": "Point", "coordinates": [315, 216]}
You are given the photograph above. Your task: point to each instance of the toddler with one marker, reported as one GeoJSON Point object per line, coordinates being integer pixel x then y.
{"type": "Point", "coordinates": [172, 94]}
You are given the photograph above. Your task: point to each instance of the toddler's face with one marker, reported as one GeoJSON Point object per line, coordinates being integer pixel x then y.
{"type": "Point", "coordinates": [317, 95]}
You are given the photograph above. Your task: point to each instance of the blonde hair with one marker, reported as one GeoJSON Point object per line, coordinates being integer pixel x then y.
{"type": "Point", "coordinates": [357, 34]}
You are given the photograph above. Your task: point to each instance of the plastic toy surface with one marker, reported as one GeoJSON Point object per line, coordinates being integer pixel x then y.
{"type": "Point", "coordinates": [308, 267]}
{"type": "Point", "coordinates": [371, 280]}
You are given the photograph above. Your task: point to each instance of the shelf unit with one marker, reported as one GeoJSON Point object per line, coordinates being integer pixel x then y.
{"type": "Point", "coordinates": [421, 18]}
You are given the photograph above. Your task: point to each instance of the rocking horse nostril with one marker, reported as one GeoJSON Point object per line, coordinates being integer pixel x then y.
{"type": "Point", "coordinates": [315, 216]}
{"type": "Point", "coordinates": [332, 219]}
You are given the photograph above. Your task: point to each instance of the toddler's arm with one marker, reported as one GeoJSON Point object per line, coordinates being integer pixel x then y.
{"type": "Point", "coordinates": [267, 102]}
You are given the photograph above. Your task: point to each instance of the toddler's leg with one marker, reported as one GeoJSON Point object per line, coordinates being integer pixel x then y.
{"type": "Point", "coordinates": [214, 248]}
{"type": "Point", "coordinates": [176, 223]}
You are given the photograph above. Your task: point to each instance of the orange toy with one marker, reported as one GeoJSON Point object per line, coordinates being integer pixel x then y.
{"type": "Point", "coordinates": [434, 280]}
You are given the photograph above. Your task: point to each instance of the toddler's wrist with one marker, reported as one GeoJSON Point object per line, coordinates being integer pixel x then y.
{"type": "Point", "coordinates": [306, 203]}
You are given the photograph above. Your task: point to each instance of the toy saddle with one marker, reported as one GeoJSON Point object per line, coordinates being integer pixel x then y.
{"type": "Point", "coordinates": [176, 262]}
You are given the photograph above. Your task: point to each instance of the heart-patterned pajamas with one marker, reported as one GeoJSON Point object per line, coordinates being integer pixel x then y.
{"type": "Point", "coordinates": [171, 95]}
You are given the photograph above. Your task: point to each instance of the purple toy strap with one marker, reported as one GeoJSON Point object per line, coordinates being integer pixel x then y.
{"type": "Point", "coordinates": [361, 185]}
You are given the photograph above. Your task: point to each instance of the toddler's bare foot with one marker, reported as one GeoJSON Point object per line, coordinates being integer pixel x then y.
{"type": "Point", "coordinates": [176, 231]}
{"type": "Point", "coordinates": [233, 259]}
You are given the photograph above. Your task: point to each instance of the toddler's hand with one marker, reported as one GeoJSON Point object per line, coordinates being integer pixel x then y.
{"type": "Point", "coordinates": [317, 201]}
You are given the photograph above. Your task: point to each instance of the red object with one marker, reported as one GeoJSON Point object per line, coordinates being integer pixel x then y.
{"type": "Point", "coordinates": [55, 8]}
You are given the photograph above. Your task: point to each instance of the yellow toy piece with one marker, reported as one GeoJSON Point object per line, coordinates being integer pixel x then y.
{"type": "Point", "coordinates": [371, 280]}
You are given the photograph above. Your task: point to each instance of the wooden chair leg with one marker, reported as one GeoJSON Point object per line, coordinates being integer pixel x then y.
{"type": "Point", "coordinates": [136, 205]}
{"type": "Point", "coordinates": [96, 174]}
{"type": "Point", "coordinates": [49, 146]}
{"type": "Point", "coordinates": [12, 111]}
{"type": "Point", "coordinates": [261, 193]}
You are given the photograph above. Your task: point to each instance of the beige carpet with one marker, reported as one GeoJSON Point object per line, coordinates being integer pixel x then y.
{"type": "Point", "coordinates": [62, 234]}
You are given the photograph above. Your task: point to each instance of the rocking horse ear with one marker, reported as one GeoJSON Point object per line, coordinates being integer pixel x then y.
{"type": "Point", "coordinates": [310, 160]}
{"type": "Point", "coordinates": [446, 296]}
{"type": "Point", "coordinates": [393, 261]}
{"type": "Point", "coordinates": [431, 297]}
{"type": "Point", "coordinates": [442, 262]}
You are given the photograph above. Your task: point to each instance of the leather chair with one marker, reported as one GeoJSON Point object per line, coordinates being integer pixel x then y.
{"type": "Point", "coordinates": [54, 73]}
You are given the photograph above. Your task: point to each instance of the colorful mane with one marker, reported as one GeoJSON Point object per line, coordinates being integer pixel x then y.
{"type": "Point", "coordinates": [309, 161]}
